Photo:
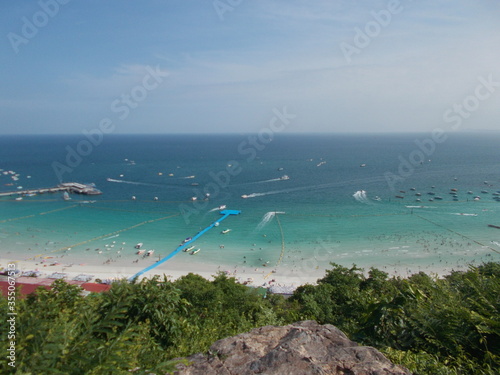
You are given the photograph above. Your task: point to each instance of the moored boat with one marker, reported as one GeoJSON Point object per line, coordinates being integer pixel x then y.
{"type": "Point", "coordinates": [195, 251]}
{"type": "Point", "coordinates": [226, 231]}
{"type": "Point", "coordinates": [188, 249]}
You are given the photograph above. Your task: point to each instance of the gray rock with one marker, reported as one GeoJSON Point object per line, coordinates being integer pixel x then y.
{"type": "Point", "coordinates": [296, 349]}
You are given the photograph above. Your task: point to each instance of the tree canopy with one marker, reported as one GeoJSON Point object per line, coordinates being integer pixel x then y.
{"type": "Point", "coordinates": [447, 325]}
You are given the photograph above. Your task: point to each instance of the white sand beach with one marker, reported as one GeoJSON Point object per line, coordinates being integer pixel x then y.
{"type": "Point", "coordinates": [280, 279]}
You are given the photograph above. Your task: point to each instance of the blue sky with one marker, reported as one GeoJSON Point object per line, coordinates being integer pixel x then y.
{"type": "Point", "coordinates": [225, 68]}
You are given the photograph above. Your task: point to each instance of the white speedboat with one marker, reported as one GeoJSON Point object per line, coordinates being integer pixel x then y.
{"type": "Point", "coordinates": [139, 245]}
{"type": "Point", "coordinates": [226, 231]}
{"type": "Point", "coordinates": [150, 252]}
{"type": "Point", "coordinates": [188, 248]}
{"type": "Point", "coordinates": [284, 177]}
{"type": "Point", "coordinates": [195, 251]}
{"type": "Point", "coordinates": [139, 252]}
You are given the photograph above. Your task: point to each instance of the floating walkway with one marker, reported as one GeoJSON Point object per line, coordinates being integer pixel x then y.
{"type": "Point", "coordinates": [70, 187]}
{"type": "Point", "coordinates": [225, 213]}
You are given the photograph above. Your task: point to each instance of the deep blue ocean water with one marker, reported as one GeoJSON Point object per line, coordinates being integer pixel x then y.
{"type": "Point", "coordinates": [338, 205]}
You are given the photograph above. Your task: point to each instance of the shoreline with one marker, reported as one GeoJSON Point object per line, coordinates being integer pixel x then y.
{"type": "Point", "coordinates": [280, 280]}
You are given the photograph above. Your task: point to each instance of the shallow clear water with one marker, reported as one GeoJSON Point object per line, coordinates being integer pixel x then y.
{"type": "Point", "coordinates": [328, 206]}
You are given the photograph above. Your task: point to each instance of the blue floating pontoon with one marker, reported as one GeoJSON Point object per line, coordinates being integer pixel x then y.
{"type": "Point", "coordinates": [224, 213]}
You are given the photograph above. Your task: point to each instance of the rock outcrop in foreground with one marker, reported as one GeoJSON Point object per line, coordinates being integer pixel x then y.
{"type": "Point", "coordinates": [300, 348]}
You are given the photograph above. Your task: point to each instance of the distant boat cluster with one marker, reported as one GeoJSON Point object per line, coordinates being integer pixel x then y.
{"type": "Point", "coordinates": [453, 192]}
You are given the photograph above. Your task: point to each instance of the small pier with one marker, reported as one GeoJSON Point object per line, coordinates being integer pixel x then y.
{"type": "Point", "coordinates": [225, 213]}
{"type": "Point", "coordinates": [70, 187]}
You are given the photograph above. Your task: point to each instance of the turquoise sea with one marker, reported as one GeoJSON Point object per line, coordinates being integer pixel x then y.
{"type": "Point", "coordinates": [346, 199]}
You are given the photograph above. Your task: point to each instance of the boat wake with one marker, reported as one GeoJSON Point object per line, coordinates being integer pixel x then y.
{"type": "Point", "coordinates": [271, 180]}
{"type": "Point", "coordinates": [317, 187]}
{"type": "Point", "coordinates": [361, 197]}
{"type": "Point", "coordinates": [283, 178]}
{"type": "Point", "coordinates": [253, 195]}
{"type": "Point", "coordinates": [130, 182]}
{"type": "Point", "coordinates": [107, 238]}
{"type": "Point", "coordinates": [267, 218]}
{"type": "Point", "coordinates": [419, 207]}
{"type": "Point", "coordinates": [461, 214]}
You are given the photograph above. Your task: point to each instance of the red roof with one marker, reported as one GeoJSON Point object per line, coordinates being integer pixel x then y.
{"type": "Point", "coordinates": [96, 288]}
{"type": "Point", "coordinates": [30, 285]}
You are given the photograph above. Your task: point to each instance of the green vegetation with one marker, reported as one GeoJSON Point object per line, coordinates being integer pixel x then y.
{"type": "Point", "coordinates": [432, 326]}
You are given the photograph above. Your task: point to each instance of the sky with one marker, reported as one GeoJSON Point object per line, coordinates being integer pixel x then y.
{"type": "Point", "coordinates": [229, 66]}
